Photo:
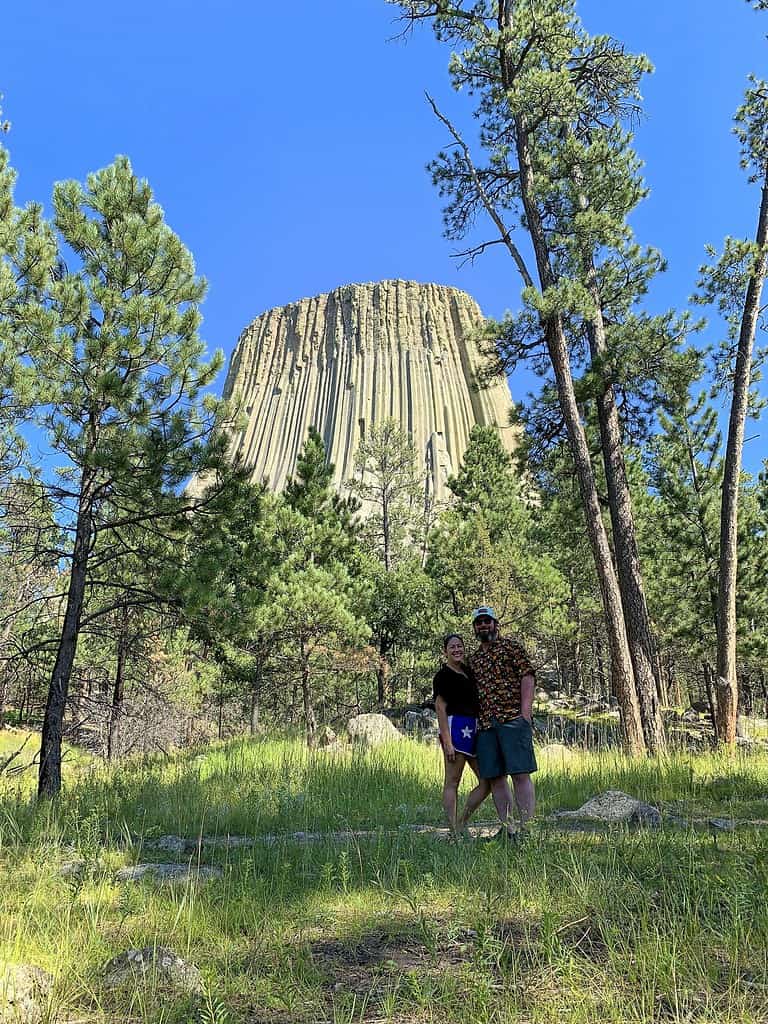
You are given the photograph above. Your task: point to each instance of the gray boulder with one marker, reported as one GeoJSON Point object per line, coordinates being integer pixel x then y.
{"type": "Point", "coordinates": [25, 992]}
{"type": "Point", "coordinates": [156, 965]}
{"type": "Point", "coordinates": [372, 730]}
{"type": "Point", "coordinates": [615, 806]}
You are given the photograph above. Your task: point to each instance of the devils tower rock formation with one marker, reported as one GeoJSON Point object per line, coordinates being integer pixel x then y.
{"type": "Point", "coordinates": [350, 359]}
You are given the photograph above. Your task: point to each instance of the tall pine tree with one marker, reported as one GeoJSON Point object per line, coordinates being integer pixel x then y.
{"type": "Point", "coordinates": [124, 383]}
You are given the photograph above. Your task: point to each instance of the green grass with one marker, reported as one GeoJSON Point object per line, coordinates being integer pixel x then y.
{"type": "Point", "coordinates": [640, 927]}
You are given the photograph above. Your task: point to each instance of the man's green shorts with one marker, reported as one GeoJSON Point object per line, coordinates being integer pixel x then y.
{"type": "Point", "coordinates": [506, 749]}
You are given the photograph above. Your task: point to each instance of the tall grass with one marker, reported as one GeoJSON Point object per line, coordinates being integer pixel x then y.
{"type": "Point", "coordinates": [616, 925]}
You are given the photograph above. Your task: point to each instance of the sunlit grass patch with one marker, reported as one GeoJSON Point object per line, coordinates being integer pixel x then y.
{"type": "Point", "coordinates": [391, 925]}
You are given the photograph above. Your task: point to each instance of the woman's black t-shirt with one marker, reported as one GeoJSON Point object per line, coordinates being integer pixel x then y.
{"type": "Point", "coordinates": [458, 691]}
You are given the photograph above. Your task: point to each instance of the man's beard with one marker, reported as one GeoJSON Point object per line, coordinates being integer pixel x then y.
{"type": "Point", "coordinates": [487, 635]}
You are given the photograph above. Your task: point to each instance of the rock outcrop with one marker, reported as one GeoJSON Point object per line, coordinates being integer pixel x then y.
{"type": "Point", "coordinates": [25, 993]}
{"type": "Point", "coordinates": [348, 360]}
{"type": "Point", "coordinates": [158, 965]}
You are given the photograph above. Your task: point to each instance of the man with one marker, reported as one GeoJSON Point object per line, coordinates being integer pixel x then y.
{"type": "Point", "coordinates": [505, 683]}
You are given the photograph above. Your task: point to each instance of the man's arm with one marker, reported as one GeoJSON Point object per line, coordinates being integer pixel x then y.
{"type": "Point", "coordinates": [527, 686]}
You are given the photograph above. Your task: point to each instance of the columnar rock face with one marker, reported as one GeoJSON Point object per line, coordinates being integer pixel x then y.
{"type": "Point", "coordinates": [348, 360]}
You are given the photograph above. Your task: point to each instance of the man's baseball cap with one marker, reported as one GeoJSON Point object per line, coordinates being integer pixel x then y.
{"type": "Point", "coordinates": [484, 610]}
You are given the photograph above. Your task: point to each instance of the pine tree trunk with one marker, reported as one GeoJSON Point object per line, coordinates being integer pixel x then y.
{"type": "Point", "coordinates": [24, 702]}
{"type": "Point", "coordinates": [711, 700]}
{"type": "Point", "coordinates": [575, 683]}
{"type": "Point", "coordinates": [726, 686]}
{"type": "Point", "coordinates": [382, 674]}
{"type": "Point", "coordinates": [49, 778]}
{"type": "Point", "coordinates": [639, 637]}
{"type": "Point", "coordinates": [255, 704]}
{"type": "Point", "coordinates": [621, 663]}
{"type": "Point", "coordinates": [603, 689]}
{"type": "Point", "coordinates": [3, 695]}
{"type": "Point", "coordinates": [306, 694]}
{"type": "Point", "coordinates": [642, 649]}
{"type": "Point", "coordinates": [118, 693]}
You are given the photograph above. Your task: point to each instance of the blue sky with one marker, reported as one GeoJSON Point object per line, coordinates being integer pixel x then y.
{"type": "Point", "coordinates": [287, 143]}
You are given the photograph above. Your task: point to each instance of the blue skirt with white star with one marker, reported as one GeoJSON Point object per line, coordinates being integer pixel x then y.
{"type": "Point", "coordinates": [463, 734]}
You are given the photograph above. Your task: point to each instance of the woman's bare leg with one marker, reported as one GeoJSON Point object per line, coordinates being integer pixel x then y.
{"type": "Point", "coordinates": [453, 773]}
{"type": "Point", "coordinates": [477, 795]}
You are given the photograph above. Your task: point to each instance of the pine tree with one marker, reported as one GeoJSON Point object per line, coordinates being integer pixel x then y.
{"type": "Point", "coordinates": [735, 283]}
{"type": "Point", "coordinates": [310, 611]}
{"type": "Point", "coordinates": [685, 474]}
{"type": "Point", "coordinates": [484, 550]}
{"type": "Point", "coordinates": [310, 493]}
{"type": "Point", "coordinates": [393, 499]}
{"type": "Point", "coordinates": [551, 104]}
{"type": "Point", "coordinates": [387, 483]}
{"type": "Point", "coordinates": [124, 384]}
{"type": "Point", "coordinates": [27, 259]}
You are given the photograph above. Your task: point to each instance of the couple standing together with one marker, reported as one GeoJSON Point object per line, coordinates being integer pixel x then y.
{"type": "Point", "coordinates": [484, 706]}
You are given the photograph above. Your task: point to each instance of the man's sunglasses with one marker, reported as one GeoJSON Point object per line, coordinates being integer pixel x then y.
{"type": "Point", "coordinates": [484, 620]}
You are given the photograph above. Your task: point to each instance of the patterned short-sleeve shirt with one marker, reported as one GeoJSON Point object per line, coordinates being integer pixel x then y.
{"type": "Point", "coordinates": [499, 668]}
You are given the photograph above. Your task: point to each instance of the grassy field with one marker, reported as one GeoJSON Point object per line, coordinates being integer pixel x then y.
{"type": "Point", "coordinates": [666, 925]}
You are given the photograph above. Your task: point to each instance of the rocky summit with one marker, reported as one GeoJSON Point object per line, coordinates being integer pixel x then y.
{"type": "Point", "coordinates": [351, 359]}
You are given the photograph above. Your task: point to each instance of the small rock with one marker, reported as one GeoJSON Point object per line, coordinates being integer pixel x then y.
{"type": "Point", "coordinates": [25, 991]}
{"type": "Point", "coordinates": [153, 963]}
{"type": "Point", "coordinates": [722, 824]}
{"type": "Point", "coordinates": [595, 707]}
{"type": "Point", "coordinates": [230, 842]}
{"type": "Point", "coordinates": [72, 869]}
{"type": "Point", "coordinates": [413, 722]}
{"type": "Point", "coordinates": [326, 737]}
{"type": "Point", "coordinates": [167, 873]}
{"type": "Point", "coordinates": [172, 844]}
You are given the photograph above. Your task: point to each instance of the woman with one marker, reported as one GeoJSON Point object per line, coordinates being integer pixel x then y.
{"type": "Point", "coordinates": [455, 695]}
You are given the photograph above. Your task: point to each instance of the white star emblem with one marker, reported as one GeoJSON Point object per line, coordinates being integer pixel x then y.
{"type": "Point", "coordinates": [466, 732]}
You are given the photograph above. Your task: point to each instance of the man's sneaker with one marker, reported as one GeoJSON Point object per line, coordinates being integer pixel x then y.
{"type": "Point", "coordinates": [504, 835]}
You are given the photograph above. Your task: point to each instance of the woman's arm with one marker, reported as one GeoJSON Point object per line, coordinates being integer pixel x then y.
{"type": "Point", "coordinates": [445, 731]}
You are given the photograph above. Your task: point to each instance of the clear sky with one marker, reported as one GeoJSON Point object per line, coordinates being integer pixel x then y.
{"type": "Point", "coordinates": [287, 142]}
